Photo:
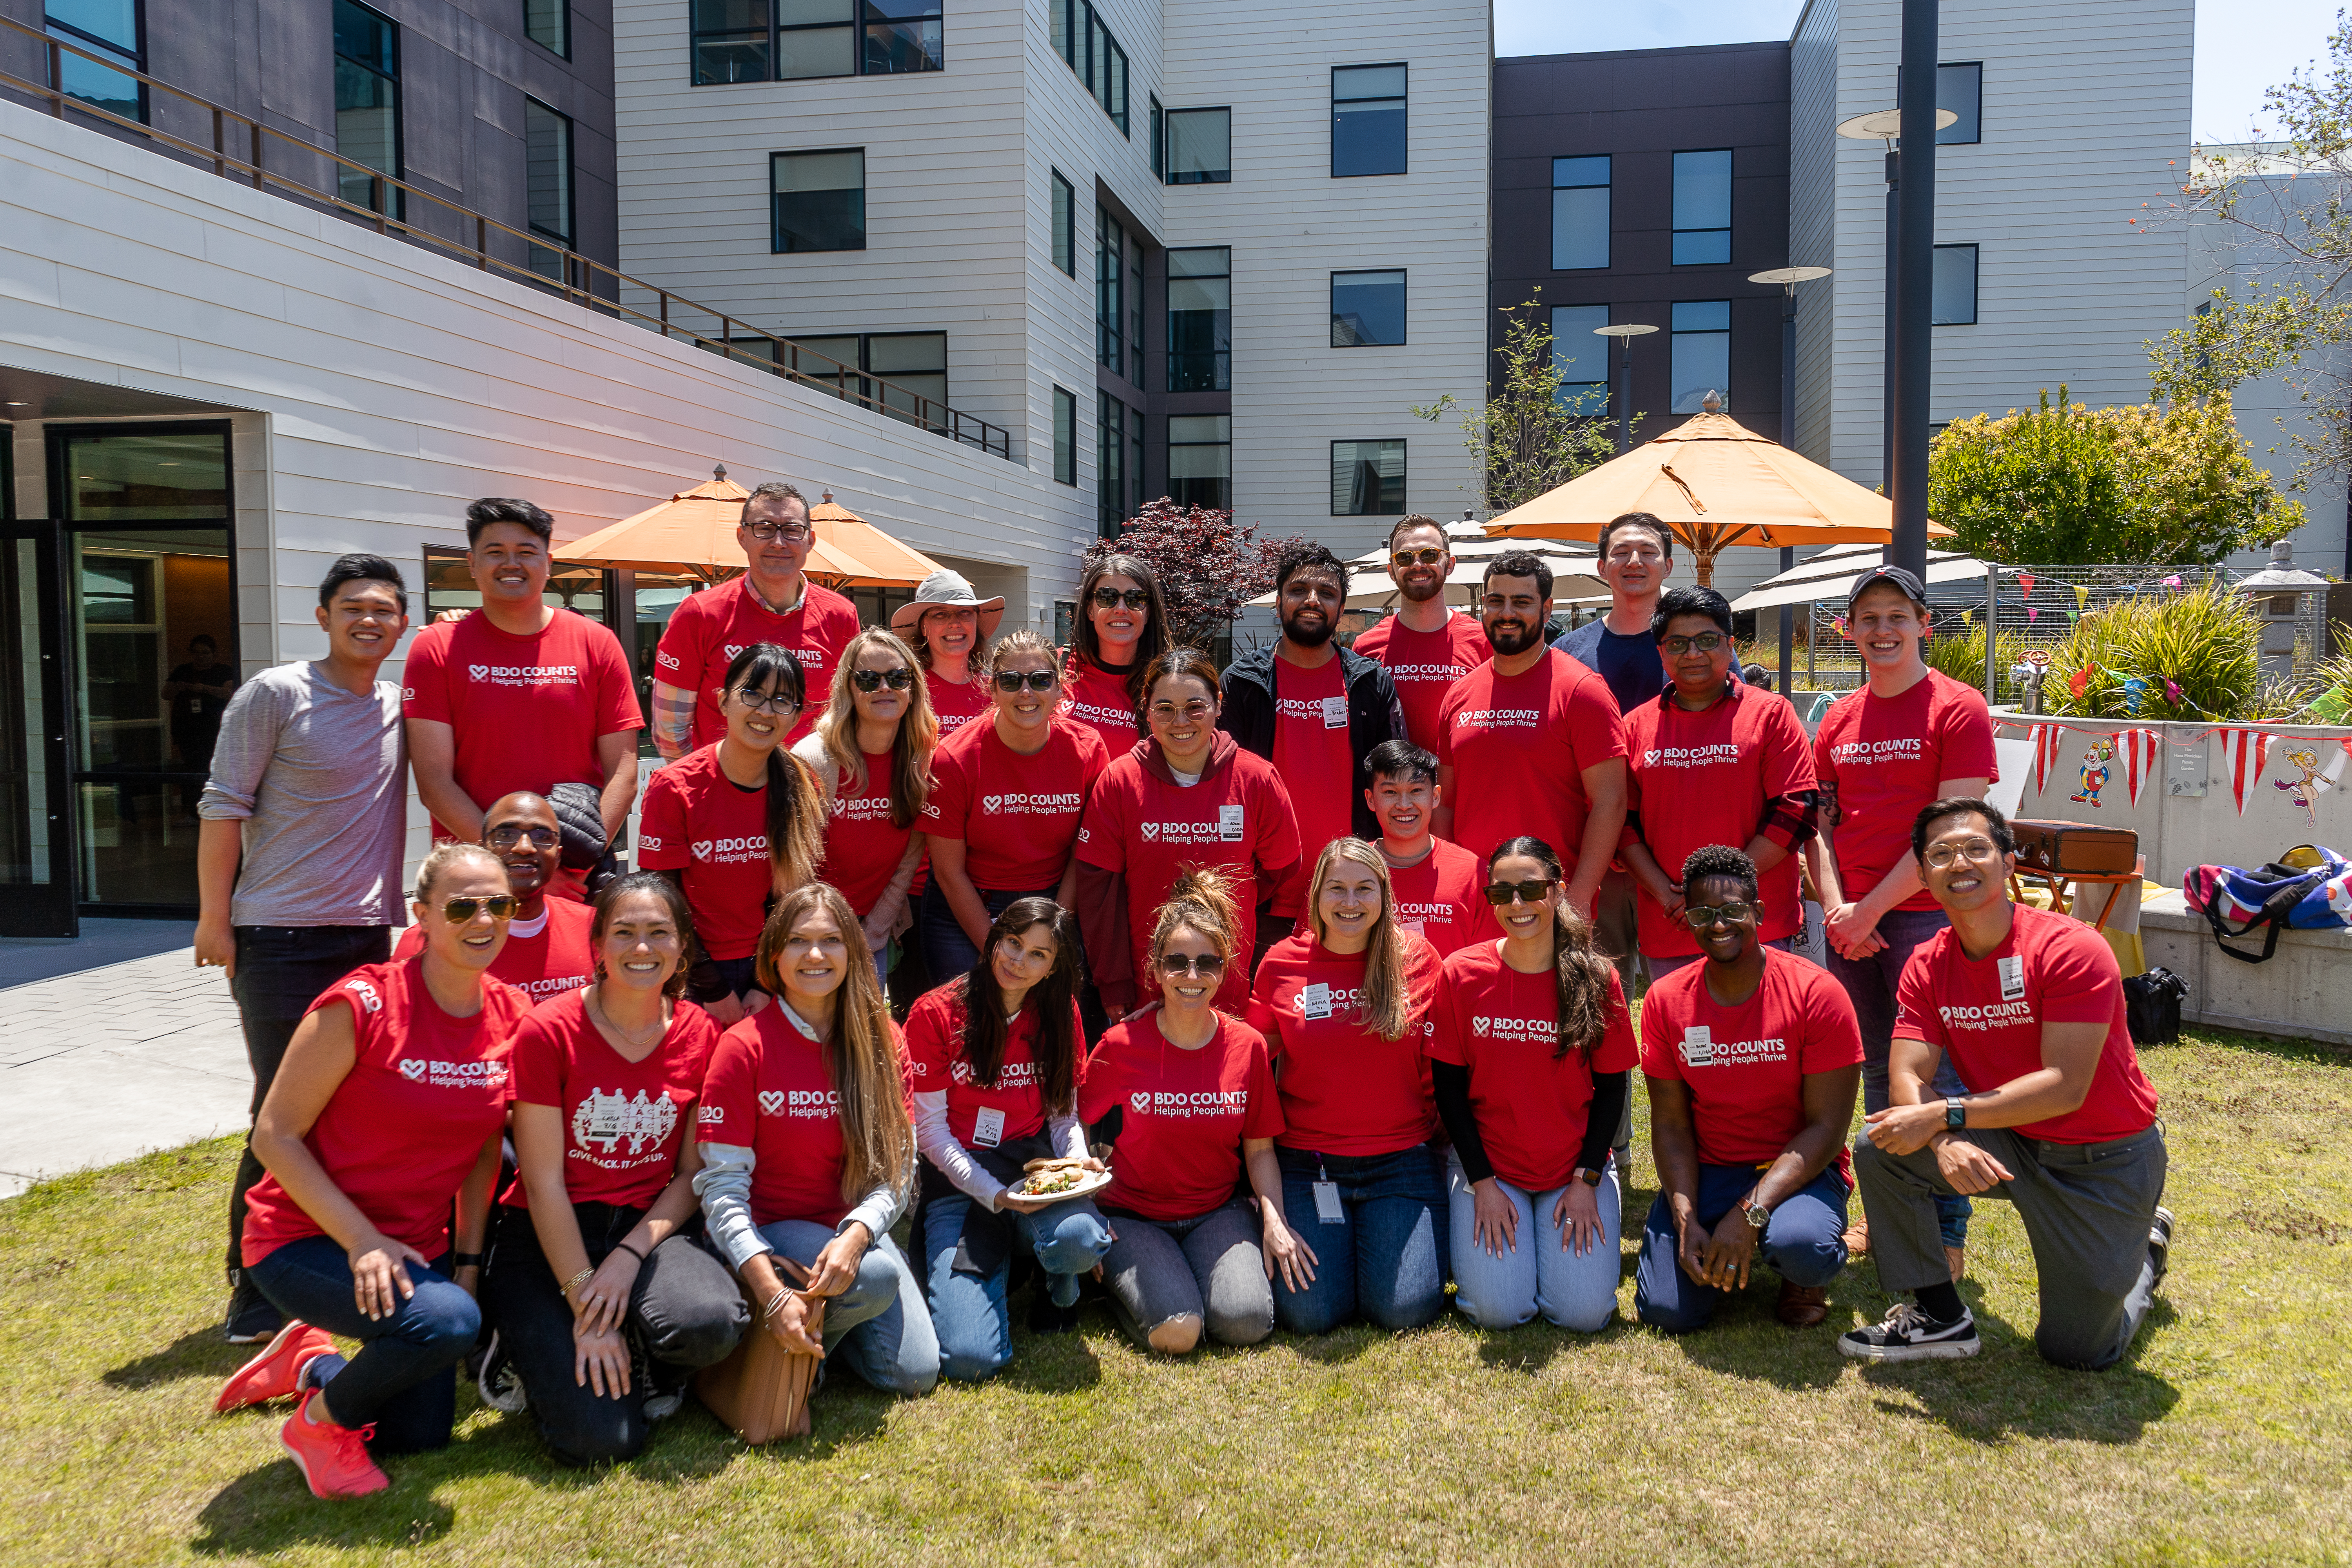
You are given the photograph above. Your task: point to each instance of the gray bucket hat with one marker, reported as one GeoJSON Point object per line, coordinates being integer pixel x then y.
{"type": "Point", "coordinates": [942, 589]}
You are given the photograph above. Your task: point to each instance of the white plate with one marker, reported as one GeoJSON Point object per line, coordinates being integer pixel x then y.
{"type": "Point", "coordinates": [1095, 1181]}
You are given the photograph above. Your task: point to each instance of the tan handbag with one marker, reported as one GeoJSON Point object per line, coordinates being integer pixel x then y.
{"type": "Point", "coordinates": [761, 1391]}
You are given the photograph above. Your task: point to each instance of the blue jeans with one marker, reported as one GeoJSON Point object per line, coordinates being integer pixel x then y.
{"type": "Point", "coordinates": [1385, 1257]}
{"type": "Point", "coordinates": [947, 951]}
{"type": "Point", "coordinates": [970, 1310]}
{"type": "Point", "coordinates": [877, 1326]}
{"type": "Point", "coordinates": [1804, 1243]}
{"type": "Point", "coordinates": [1538, 1274]}
{"type": "Point", "coordinates": [404, 1379]}
{"type": "Point", "coordinates": [1871, 983]}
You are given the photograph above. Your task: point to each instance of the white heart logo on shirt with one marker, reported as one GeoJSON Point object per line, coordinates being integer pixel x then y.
{"type": "Point", "coordinates": [1140, 1100]}
{"type": "Point", "coordinates": [412, 1070]}
{"type": "Point", "coordinates": [990, 802]}
{"type": "Point", "coordinates": [1150, 830]}
{"type": "Point", "coordinates": [733, 648]}
{"type": "Point", "coordinates": [771, 1100]}
{"type": "Point", "coordinates": [480, 670]}
{"type": "Point", "coordinates": [702, 849]}
{"type": "Point", "coordinates": [1480, 1026]}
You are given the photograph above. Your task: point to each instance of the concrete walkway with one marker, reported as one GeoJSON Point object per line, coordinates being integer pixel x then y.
{"type": "Point", "coordinates": [113, 1044]}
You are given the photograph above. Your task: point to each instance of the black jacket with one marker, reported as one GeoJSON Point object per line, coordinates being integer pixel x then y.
{"type": "Point", "coordinates": [1374, 715]}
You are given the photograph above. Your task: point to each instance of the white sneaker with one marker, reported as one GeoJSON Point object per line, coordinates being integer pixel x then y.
{"type": "Point", "coordinates": [1908, 1333]}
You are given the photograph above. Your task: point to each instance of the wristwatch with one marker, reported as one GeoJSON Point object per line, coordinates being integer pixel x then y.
{"type": "Point", "coordinates": [1955, 1112]}
{"type": "Point", "coordinates": [1756, 1214]}
{"type": "Point", "coordinates": [1588, 1176]}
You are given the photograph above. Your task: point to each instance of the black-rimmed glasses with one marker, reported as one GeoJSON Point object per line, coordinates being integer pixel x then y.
{"type": "Point", "coordinates": [765, 702]}
{"type": "Point", "coordinates": [1699, 917]}
{"type": "Point", "coordinates": [790, 533]}
{"type": "Point", "coordinates": [507, 837]}
{"type": "Point", "coordinates": [1010, 680]}
{"type": "Point", "coordinates": [1705, 642]}
{"type": "Point", "coordinates": [1422, 557]}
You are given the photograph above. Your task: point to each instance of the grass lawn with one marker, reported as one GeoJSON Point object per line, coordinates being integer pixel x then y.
{"type": "Point", "coordinates": [2225, 1436]}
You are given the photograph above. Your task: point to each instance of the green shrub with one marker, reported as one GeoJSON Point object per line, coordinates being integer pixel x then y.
{"type": "Point", "coordinates": [1961, 654]}
{"type": "Point", "coordinates": [2202, 641]}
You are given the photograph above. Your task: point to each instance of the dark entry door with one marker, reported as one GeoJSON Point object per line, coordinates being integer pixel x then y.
{"type": "Point", "coordinates": [36, 851]}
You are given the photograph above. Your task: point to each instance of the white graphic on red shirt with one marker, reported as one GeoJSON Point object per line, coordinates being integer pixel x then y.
{"type": "Point", "coordinates": [525, 674]}
{"type": "Point", "coordinates": [800, 1101]}
{"type": "Point", "coordinates": [1999, 1015]}
{"type": "Point", "coordinates": [1499, 718]}
{"type": "Point", "coordinates": [710, 1115]}
{"type": "Point", "coordinates": [611, 1119]}
{"type": "Point", "coordinates": [1862, 753]}
{"type": "Point", "coordinates": [731, 851]}
{"type": "Point", "coordinates": [1689, 756]}
{"type": "Point", "coordinates": [1140, 1100]}
{"type": "Point", "coordinates": [647, 841]}
{"type": "Point", "coordinates": [1204, 1102]}
{"type": "Point", "coordinates": [1009, 1075]}
{"type": "Point", "coordinates": [1522, 1029]}
{"type": "Point", "coordinates": [454, 1075]}
{"type": "Point", "coordinates": [366, 994]}
{"type": "Point", "coordinates": [1032, 804]}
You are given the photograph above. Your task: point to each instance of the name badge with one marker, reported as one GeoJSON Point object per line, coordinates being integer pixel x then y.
{"type": "Point", "coordinates": [1335, 712]}
{"type": "Point", "coordinates": [1229, 824]}
{"type": "Point", "coordinates": [1416, 927]}
{"type": "Point", "coordinates": [2012, 978]}
{"type": "Point", "coordinates": [1315, 1001]}
{"type": "Point", "coordinates": [1327, 1204]}
{"type": "Point", "coordinates": [1698, 1047]}
{"type": "Point", "coordinates": [987, 1126]}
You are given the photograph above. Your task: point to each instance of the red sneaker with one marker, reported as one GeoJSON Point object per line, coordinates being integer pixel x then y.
{"type": "Point", "coordinates": [333, 1459]}
{"type": "Point", "coordinates": [277, 1371]}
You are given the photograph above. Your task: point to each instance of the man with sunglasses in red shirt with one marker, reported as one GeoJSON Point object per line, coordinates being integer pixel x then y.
{"type": "Point", "coordinates": [1426, 646]}
{"type": "Point", "coordinates": [547, 949]}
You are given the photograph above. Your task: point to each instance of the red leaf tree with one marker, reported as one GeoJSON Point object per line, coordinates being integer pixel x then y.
{"type": "Point", "coordinates": [1207, 566]}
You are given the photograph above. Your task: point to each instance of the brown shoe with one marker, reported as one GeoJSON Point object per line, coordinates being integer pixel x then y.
{"type": "Point", "coordinates": [1802, 1306]}
{"type": "Point", "coordinates": [1857, 1238]}
{"type": "Point", "coordinates": [1955, 1258]}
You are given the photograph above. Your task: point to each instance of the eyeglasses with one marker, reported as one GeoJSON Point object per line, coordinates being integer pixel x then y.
{"type": "Point", "coordinates": [1035, 680]}
{"type": "Point", "coordinates": [768, 533]}
{"type": "Point", "coordinates": [497, 906]}
{"type": "Point", "coordinates": [1983, 851]}
{"type": "Point", "coordinates": [1112, 598]}
{"type": "Point", "coordinates": [1207, 965]}
{"type": "Point", "coordinates": [1532, 891]}
{"type": "Point", "coordinates": [1168, 713]}
{"type": "Point", "coordinates": [1698, 917]}
{"type": "Point", "coordinates": [1422, 557]}
{"type": "Point", "coordinates": [509, 836]}
{"type": "Point", "coordinates": [897, 679]}
{"type": "Point", "coordinates": [1705, 642]}
{"type": "Point", "coordinates": [772, 703]}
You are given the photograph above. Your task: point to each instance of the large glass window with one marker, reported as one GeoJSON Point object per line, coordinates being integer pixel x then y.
{"type": "Point", "coordinates": [903, 35]}
{"type": "Point", "coordinates": [1703, 209]}
{"type": "Point", "coordinates": [113, 29]}
{"type": "Point", "coordinates": [367, 104]}
{"type": "Point", "coordinates": [1368, 309]}
{"type": "Point", "coordinates": [815, 37]}
{"type": "Point", "coordinates": [1110, 282]}
{"type": "Point", "coordinates": [1064, 221]}
{"type": "Point", "coordinates": [1581, 359]}
{"type": "Point", "coordinates": [792, 40]}
{"type": "Point", "coordinates": [730, 40]}
{"type": "Point", "coordinates": [547, 137]}
{"type": "Point", "coordinates": [1368, 120]}
{"type": "Point", "coordinates": [1367, 479]}
{"type": "Point", "coordinates": [1200, 146]}
{"type": "Point", "coordinates": [915, 367]}
{"type": "Point", "coordinates": [820, 200]}
{"type": "Point", "coordinates": [1960, 88]}
{"type": "Point", "coordinates": [1065, 436]}
{"type": "Point", "coordinates": [1580, 213]}
{"type": "Point", "coordinates": [1954, 301]}
{"type": "Point", "coordinates": [1201, 460]}
{"type": "Point", "coordinates": [1201, 319]}
{"type": "Point", "coordinates": [1702, 353]}
{"type": "Point", "coordinates": [1087, 47]}
{"type": "Point", "coordinates": [548, 22]}
{"type": "Point", "coordinates": [1111, 464]}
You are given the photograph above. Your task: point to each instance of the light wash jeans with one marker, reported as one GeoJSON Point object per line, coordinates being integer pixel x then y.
{"type": "Point", "coordinates": [878, 1326]}
{"type": "Point", "coordinates": [1538, 1274]}
{"type": "Point", "coordinates": [974, 1322]}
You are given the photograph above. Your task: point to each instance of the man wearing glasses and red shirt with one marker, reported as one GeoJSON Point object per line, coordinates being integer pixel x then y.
{"type": "Point", "coordinates": [1425, 646]}
{"type": "Point", "coordinates": [774, 602]}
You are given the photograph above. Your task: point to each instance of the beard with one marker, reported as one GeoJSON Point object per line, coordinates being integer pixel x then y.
{"type": "Point", "coordinates": [1421, 592]}
{"type": "Point", "coordinates": [1515, 638]}
{"type": "Point", "coordinates": [1307, 634]}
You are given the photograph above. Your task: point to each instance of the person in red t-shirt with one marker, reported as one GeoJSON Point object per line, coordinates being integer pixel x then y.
{"type": "Point", "coordinates": [735, 825]}
{"type": "Point", "coordinates": [547, 950]}
{"type": "Point", "coordinates": [1426, 646]}
{"type": "Point", "coordinates": [772, 602]}
{"type": "Point", "coordinates": [2029, 1003]}
{"type": "Point", "coordinates": [1436, 884]}
{"type": "Point", "coordinates": [591, 1254]}
{"type": "Point", "coordinates": [996, 1057]}
{"type": "Point", "coordinates": [1752, 1056]}
{"type": "Point", "coordinates": [871, 755]}
{"type": "Point", "coordinates": [1186, 1094]}
{"type": "Point", "coordinates": [808, 1152]}
{"type": "Point", "coordinates": [1531, 1049]}
{"type": "Point", "coordinates": [948, 625]}
{"type": "Point", "coordinates": [1712, 759]}
{"type": "Point", "coordinates": [1188, 797]}
{"type": "Point", "coordinates": [1123, 629]}
{"type": "Point", "coordinates": [1344, 1007]}
{"type": "Point", "coordinates": [388, 1111]}
{"type": "Point", "coordinates": [518, 694]}
{"type": "Point", "coordinates": [1531, 743]}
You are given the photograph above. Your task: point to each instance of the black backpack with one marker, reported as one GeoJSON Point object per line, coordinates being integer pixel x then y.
{"type": "Point", "coordinates": [2152, 1006]}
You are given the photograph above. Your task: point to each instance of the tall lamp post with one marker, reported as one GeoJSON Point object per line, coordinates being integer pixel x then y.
{"type": "Point", "coordinates": [1624, 332]}
{"type": "Point", "coordinates": [1788, 277]}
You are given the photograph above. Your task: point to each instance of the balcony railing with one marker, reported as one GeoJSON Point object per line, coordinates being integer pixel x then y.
{"type": "Point", "coordinates": [244, 149]}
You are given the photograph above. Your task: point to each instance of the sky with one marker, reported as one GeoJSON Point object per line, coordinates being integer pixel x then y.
{"type": "Point", "coordinates": [2235, 62]}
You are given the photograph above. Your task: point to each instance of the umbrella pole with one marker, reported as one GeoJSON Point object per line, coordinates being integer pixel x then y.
{"type": "Point", "coordinates": [1787, 617]}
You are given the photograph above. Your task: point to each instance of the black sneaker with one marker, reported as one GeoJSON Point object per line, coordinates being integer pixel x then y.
{"type": "Point", "coordinates": [250, 1318]}
{"type": "Point", "coordinates": [2159, 1242]}
{"type": "Point", "coordinates": [499, 1384]}
{"type": "Point", "coordinates": [1908, 1333]}
{"type": "Point", "coordinates": [1045, 1318]}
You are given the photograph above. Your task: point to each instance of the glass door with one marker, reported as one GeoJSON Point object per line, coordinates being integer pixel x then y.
{"type": "Point", "coordinates": [36, 892]}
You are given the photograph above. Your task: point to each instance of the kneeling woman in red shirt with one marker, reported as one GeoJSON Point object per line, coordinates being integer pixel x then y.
{"type": "Point", "coordinates": [1344, 1003]}
{"type": "Point", "coordinates": [388, 1110]}
{"type": "Point", "coordinates": [588, 1260]}
{"type": "Point", "coordinates": [1195, 1098]}
{"type": "Point", "coordinates": [808, 1152]}
{"type": "Point", "coordinates": [1533, 1050]}
{"type": "Point", "coordinates": [996, 1064]}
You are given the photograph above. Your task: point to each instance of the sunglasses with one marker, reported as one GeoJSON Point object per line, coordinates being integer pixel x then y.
{"type": "Point", "coordinates": [498, 906]}
{"type": "Point", "coordinates": [1422, 557]}
{"type": "Point", "coordinates": [773, 702]}
{"type": "Point", "coordinates": [1705, 642]}
{"type": "Point", "coordinates": [1206, 966]}
{"type": "Point", "coordinates": [1168, 713]}
{"type": "Point", "coordinates": [897, 679]}
{"type": "Point", "coordinates": [768, 533]}
{"type": "Point", "coordinates": [1112, 598]}
{"type": "Point", "coordinates": [1035, 680]}
{"type": "Point", "coordinates": [1535, 890]}
{"type": "Point", "coordinates": [507, 837]}
{"type": "Point", "coordinates": [1700, 916]}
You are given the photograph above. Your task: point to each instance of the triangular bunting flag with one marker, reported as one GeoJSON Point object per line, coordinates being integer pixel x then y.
{"type": "Point", "coordinates": [2243, 752]}
{"type": "Point", "coordinates": [2140, 750]}
{"type": "Point", "coordinates": [2047, 739]}
{"type": "Point", "coordinates": [2082, 596]}
{"type": "Point", "coordinates": [2025, 583]}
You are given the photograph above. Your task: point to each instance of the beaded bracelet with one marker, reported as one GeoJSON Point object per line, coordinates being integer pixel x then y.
{"type": "Point", "coordinates": [578, 1279]}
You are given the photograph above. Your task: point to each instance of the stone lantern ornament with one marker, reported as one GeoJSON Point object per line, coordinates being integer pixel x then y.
{"type": "Point", "coordinates": [2277, 591]}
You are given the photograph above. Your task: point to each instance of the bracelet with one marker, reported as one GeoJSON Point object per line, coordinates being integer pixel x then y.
{"type": "Point", "coordinates": [464, 1260]}
{"type": "Point", "coordinates": [578, 1279]}
{"type": "Point", "coordinates": [625, 1246]}
{"type": "Point", "coordinates": [774, 1301]}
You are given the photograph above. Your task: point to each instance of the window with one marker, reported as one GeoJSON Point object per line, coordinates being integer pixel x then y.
{"type": "Point", "coordinates": [114, 28]}
{"type": "Point", "coordinates": [820, 200]}
{"type": "Point", "coordinates": [1201, 460]}
{"type": "Point", "coordinates": [1110, 277]}
{"type": "Point", "coordinates": [792, 40]}
{"type": "Point", "coordinates": [1367, 479]}
{"type": "Point", "coordinates": [1200, 319]}
{"type": "Point", "coordinates": [547, 140]}
{"type": "Point", "coordinates": [1200, 146]}
{"type": "Point", "coordinates": [1087, 47]}
{"type": "Point", "coordinates": [1702, 208]}
{"type": "Point", "coordinates": [1580, 213]}
{"type": "Point", "coordinates": [915, 364]}
{"type": "Point", "coordinates": [1065, 436]}
{"type": "Point", "coordinates": [1367, 309]}
{"type": "Point", "coordinates": [1368, 127]}
{"type": "Point", "coordinates": [1955, 287]}
{"type": "Point", "coordinates": [1581, 359]}
{"type": "Point", "coordinates": [1702, 353]}
{"type": "Point", "coordinates": [730, 40]}
{"type": "Point", "coordinates": [367, 106]}
{"type": "Point", "coordinates": [902, 35]}
{"type": "Point", "coordinates": [548, 22]}
{"type": "Point", "coordinates": [1111, 464]}
{"type": "Point", "coordinates": [1960, 88]}
{"type": "Point", "coordinates": [1158, 138]}
{"type": "Point", "coordinates": [1066, 235]}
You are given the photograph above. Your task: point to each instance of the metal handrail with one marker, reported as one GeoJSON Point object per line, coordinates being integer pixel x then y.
{"type": "Point", "coordinates": [583, 280]}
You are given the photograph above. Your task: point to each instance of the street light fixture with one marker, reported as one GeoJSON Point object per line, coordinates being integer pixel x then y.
{"type": "Point", "coordinates": [1625, 332]}
{"type": "Point", "coordinates": [1788, 277]}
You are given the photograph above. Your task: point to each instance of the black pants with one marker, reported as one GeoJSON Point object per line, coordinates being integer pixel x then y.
{"type": "Point", "coordinates": [685, 1311]}
{"type": "Point", "coordinates": [281, 971]}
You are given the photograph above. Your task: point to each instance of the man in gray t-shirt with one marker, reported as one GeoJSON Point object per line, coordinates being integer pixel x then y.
{"type": "Point", "coordinates": [299, 859]}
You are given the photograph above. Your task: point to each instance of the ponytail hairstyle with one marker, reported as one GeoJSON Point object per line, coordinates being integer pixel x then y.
{"type": "Point", "coordinates": [985, 1027]}
{"type": "Point", "coordinates": [1580, 977]}
{"type": "Point", "coordinates": [672, 897]}
{"type": "Point", "coordinates": [1387, 1009]}
{"type": "Point", "coordinates": [441, 857]}
{"type": "Point", "coordinates": [1019, 642]}
{"type": "Point", "coordinates": [1201, 897]}
{"type": "Point", "coordinates": [918, 728]}
{"type": "Point", "coordinates": [795, 802]}
{"type": "Point", "coordinates": [862, 1056]}
{"type": "Point", "coordinates": [1155, 639]}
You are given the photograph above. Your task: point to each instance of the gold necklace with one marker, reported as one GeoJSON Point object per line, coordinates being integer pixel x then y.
{"type": "Point", "coordinates": [605, 1019]}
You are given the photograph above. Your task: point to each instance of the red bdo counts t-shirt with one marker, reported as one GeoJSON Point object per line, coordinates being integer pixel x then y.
{"type": "Point", "coordinates": [768, 1089]}
{"type": "Point", "coordinates": [1987, 1016]}
{"type": "Point", "coordinates": [1438, 897]}
{"type": "Point", "coordinates": [1013, 1106]}
{"type": "Point", "coordinates": [1095, 698]}
{"type": "Point", "coordinates": [1345, 1090]}
{"type": "Point", "coordinates": [1504, 1025]}
{"type": "Point", "coordinates": [698, 821]}
{"type": "Point", "coordinates": [710, 628]}
{"type": "Point", "coordinates": [526, 712]}
{"type": "Point", "coordinates": [541, 960]}
{"type": "Point", "coordinates": [1311, 751]}
{"type": "Point", "coordinates": [1885, 756]}
{"type": "Point", "coordinates": [1702, 778]}
{"type": "Point", "coordinates": [861, 846]}
{"type": "Point", "coordinates": [1017, 815]}
{"type": "Point", "coordinates": [624, 1121]}
{"type": "Point", "coordinates": [1424, 665]}
{"type": "Point", "coordinates": [1518, 746]}
{"type": "Point", "coordinates": [1745, 1065]}
{"type": "Point", "coordinates": [1179, 1152]}
{"type": "Point", "coordinates": [958, 705]}
{"type": "Point", "coordinates": [402, 1131]}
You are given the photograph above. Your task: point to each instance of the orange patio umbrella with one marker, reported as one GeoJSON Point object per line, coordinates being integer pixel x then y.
{"type": "Point", "coordinates": [1714, 483]}
{"type": "Point", "coordinates": [693, 534]}
{"type": "Point", "coordinates": [862, 555]}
